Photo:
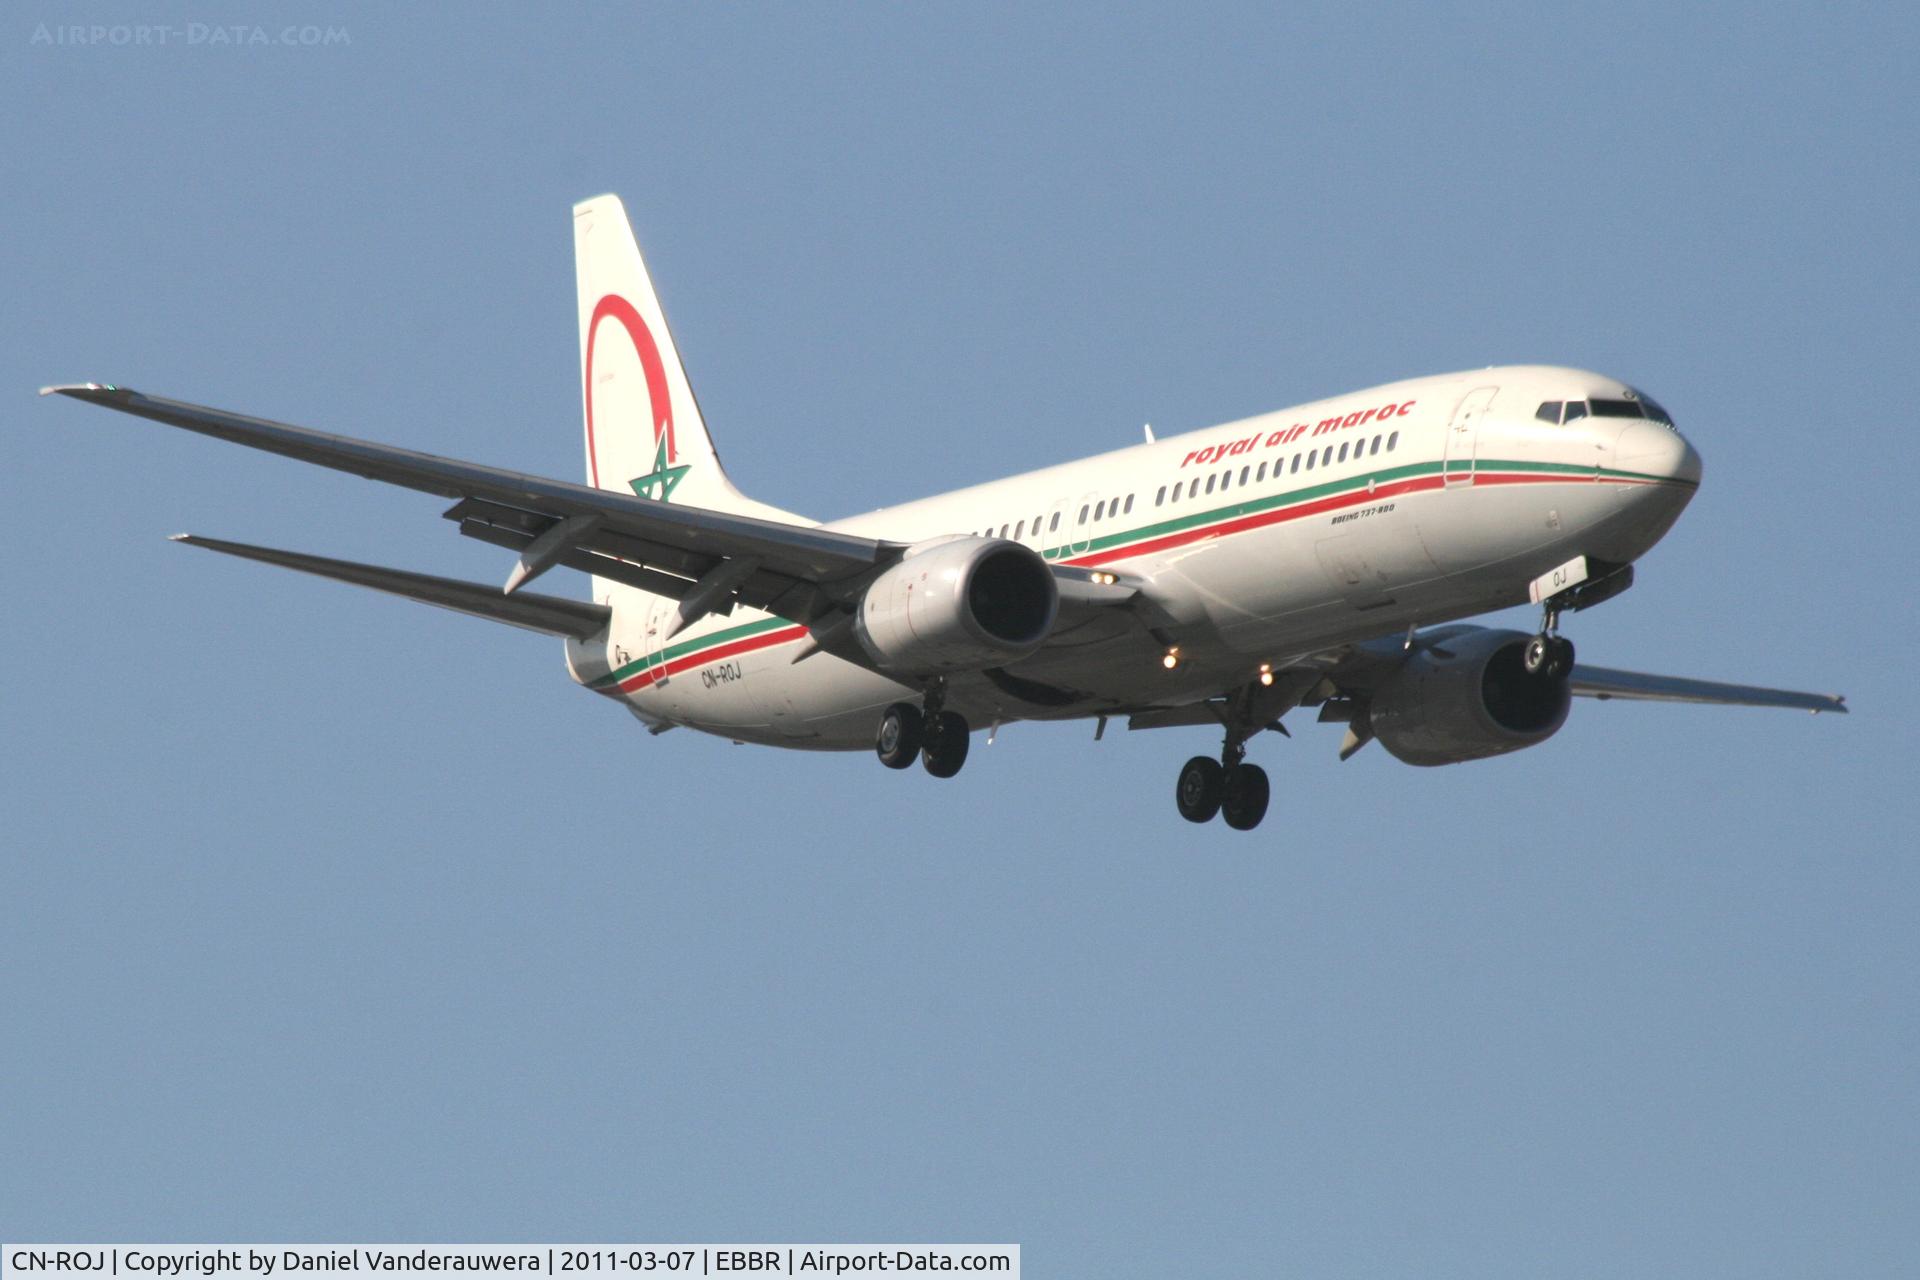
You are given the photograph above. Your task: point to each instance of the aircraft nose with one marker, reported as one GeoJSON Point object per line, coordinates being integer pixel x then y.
{"type": "Point", "coordinates": [1657, 450]}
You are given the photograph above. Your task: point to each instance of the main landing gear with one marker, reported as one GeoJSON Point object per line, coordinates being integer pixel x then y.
{"type": "Point", "coordinates": [937, 736]}
{"type": "Point", "coordinates": [1229, 786]}
{"type": "Point", "coordinates": [1549, 655]}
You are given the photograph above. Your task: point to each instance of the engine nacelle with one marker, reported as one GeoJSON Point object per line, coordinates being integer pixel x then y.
{"type": "Point", "coordinates": [1476, 702]}
{"type": "Point", "coordinates": [958, 604]}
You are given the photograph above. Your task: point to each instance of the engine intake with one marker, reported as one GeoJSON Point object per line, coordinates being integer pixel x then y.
{"type": "Point", "coordinates": [959, 604]}
{"type": "Point", "coordinates": [1475, 701]}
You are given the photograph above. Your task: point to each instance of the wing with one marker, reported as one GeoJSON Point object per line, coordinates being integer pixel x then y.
{"type": "Point", "coordinates": [708, 560]}
{"type": "Point", "coordinates": [1341, 681]}
{"type": "Point", "coordinates": [704, 558]}
{"type": "Point", "coordinates": [1605, 682]}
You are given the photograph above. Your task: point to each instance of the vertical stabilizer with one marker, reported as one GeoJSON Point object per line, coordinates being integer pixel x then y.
{"type": "Point", "coordinates": [645, 434]}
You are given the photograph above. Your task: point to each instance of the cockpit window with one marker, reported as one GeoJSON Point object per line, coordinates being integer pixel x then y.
{"type": "Point", "coordinates": [1634, 404]}
{"type": "Point", "coordinates": [1653, 409]}
{"type": "Point", "coordinates": [1616, 408]}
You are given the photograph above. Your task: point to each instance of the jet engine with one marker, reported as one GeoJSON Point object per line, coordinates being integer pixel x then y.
{"type": "Point", "coordinates": [958, 604]}
{"type": "Point", "coordinates": [1467, 696]}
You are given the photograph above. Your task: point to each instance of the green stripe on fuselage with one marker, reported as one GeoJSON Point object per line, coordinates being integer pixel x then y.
{"type": "Point", "coordinates": [685, 647]}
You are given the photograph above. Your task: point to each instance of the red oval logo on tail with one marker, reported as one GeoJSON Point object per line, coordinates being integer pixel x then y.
{"type": "Point", "coordinates": [658, 483]}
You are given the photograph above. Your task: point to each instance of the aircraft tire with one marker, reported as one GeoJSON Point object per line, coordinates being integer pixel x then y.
{"type": "Point", "coordinates": [1538, 655]}
{"type": "Point", "coordinates": [898, 739]}
{"type": "Point", "coordinates": [1199, 791]}
{"type": "Point", "coordinates": [945, 748]}
{"type": "Point", "coordinates": [1245, 801]}
{"type": "Point", "coordinates": [1559, 657]}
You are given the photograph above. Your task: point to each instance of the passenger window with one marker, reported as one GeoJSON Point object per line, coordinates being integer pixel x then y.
{"type": "Point", "coordinates": [1393, 442]}
{"type": "Point", "coordinates": [1160, 497]}
{"type": "Point", "coordinates": [1194, 488]}
{"type": "Point", "coordinates": [1326, 456]}
{"type": "Point", "coordinates": [1261, 474]}
{"type": "Point", "coordinates": [1176, 493]}
{"type": "Point", "coordinates": [1226, 478]}
{"type": "Point", "coordinates": [1243, 476]}
{"type": "Point", "coordinates": [1343, 453]}
{"type": "Point", "coordinates": [1311, 455]}
{"type": "Point", "coordinates": [1576, 409]}
{"type": "Point", "coordinates": [1054, 523]}
{"type": "Point", "coordinates": [1295, 468]}
{"type": "Point", "coordinates": [1099, 510]}
{"type": "Point", "coordinates": [1211, 481]}
{"type": "Point", "coordinates": [1083, 514]}
{"type": "Point", "coordinates": [1549, 412]}
{"type": "Point", "coordinates": [1376, 447]}
{"type": "Point", "coordinates": [1020, 531]}
{"type": "Point", "coordinates": [1003, 531]}
{"type": "Point", "coordinates": [1128, 509]}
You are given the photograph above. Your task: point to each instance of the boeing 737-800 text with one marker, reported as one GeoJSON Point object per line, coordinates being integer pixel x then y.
{"type": "Point", "coordinates": [1319, 557]}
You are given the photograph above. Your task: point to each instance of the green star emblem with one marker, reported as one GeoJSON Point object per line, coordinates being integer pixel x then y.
{"type": "Point", "coordinates": [663, 477]}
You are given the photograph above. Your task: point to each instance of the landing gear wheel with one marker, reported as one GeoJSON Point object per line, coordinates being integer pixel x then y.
{"type": "Point", "coordinates": [1559, 657]}
{"type": "Point", "coordinates": [945, 749]}
{"type": "Point", "coordinates": [898, 740]}
{"type": "Point", "coordinates": [1538, 652]}
{"type": "Point", "coordinates": [1245, 802]}
{"type": "Point", "coordinates": [1548, 656]}
{"type": "Point", "coordinates": [1200, 789]}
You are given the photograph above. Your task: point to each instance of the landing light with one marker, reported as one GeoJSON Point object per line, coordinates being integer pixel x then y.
{"type": "Point", "coordinates": [1171, 658]}
{"type": "Point", "coordinates": [1266, 673]}
{"type": "Point", "coordinates": [1104, 579]}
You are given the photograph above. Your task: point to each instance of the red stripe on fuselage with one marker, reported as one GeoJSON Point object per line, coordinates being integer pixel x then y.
{"type": "Point", "coordinates": [1353, 498]}
{"type": "Point", "coordinates": [702, 657]}
{"type": "Point", "coordinates": [1504, 477]}
{"type": "Point", "coordinates": [1259, 520]}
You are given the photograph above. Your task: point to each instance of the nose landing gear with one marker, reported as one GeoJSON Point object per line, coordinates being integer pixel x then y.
{"type": "Point", "coordinates": [1549, 655]}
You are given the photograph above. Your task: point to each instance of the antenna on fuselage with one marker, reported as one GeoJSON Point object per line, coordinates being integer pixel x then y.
{"type": "Point", "coordinates": [1147, 427]}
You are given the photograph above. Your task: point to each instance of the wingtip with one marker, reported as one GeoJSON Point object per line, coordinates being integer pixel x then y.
{"type": "Point", "coordinates": [76, 388]}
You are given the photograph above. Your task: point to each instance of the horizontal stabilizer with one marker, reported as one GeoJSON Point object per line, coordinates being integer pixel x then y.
{"type": "Point", "coordinates": [550, 614]}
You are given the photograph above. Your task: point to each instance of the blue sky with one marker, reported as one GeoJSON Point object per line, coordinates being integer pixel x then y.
{"type": "Point", "coordinates": [332, 917]}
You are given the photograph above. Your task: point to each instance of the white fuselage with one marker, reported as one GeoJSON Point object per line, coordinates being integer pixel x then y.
{"type": "Point", "coordinates": [1264, 541]}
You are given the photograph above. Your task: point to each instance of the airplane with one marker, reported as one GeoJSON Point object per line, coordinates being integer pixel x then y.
{"type": "Point", "coordinates": [1316, 559]}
